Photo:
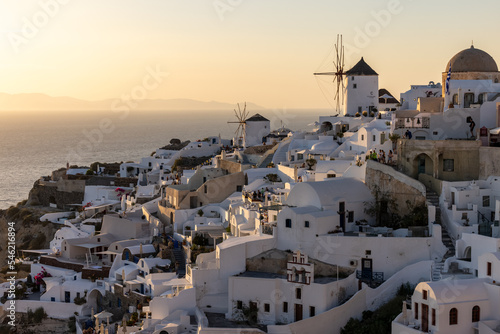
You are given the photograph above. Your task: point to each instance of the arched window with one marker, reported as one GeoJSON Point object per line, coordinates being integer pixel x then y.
{"type": "Point", "coordinates": [476, 313]}
{"type": "Point", "coordinates": [453, 316]}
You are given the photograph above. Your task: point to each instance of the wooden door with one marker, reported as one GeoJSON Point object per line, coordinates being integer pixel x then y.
{"type": "Point", "coordinates": [298, 312]}
{"type": "Point", "coordinates": [425, 318]}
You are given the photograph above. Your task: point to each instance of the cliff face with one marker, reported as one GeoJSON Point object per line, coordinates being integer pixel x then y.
{"type": "Point", "coordinates": [30, 232]}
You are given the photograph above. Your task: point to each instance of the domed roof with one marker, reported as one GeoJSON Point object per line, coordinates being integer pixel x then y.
{"type": "Point", "coordinates": [472, 60]}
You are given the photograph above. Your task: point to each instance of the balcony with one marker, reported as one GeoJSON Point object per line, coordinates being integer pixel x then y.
{"type": "Point", "coordinates": [376, 277]}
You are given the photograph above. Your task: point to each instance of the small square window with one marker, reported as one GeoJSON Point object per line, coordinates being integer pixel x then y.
{"type": "Point", "coordinates": [448, 165]}
{"type": "Point", "coordinates": [306, 223]}
{"type": "Point", "coordinates": [288, 223]}
{"type": "Point", "coordinates": [267, 308]}
{"type": "Point", "coordinates": [298, 293]}
{"type": "Point", "coordinates": [354, 86]}
{"type": "Point", "coordinates": [312, 311]}
{"type": "Point", "coordinates": [368, 252]}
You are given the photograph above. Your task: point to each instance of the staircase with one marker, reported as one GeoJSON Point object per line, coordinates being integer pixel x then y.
{"type": "Point", "coordinates": [181, 260]}
{"type": "Point", "coordinates": [280, 154]}
{"type": "Point", "coordinates": [433, 199]}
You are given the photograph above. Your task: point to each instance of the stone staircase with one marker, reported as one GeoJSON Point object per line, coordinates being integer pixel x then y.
{"type": "Point", "coordinates": [433, 199]}
{"type": "Point", "coordinates": [181, 260]}
{"type": "Point", "coordinates": [280, 154]}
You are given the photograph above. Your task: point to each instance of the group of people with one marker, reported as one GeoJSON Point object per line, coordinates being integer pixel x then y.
{"type": "Point", "coordinates": [257, 195]}
{"type": "Point", "coordinates": [381, 156]}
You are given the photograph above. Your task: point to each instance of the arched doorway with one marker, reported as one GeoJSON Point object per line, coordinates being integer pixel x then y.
{"type": "Point", "coordinates": [422, 164]}
{"type": "Point", "coordinates": [326, 126]}
{"type": "Point", "coordinates": [467, 253]}
{"type": "Point", "coordinates": [94, 300]}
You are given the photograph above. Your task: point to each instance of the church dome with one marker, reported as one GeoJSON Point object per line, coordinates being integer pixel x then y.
{"type": "Point", "coordinates": [472, 60]}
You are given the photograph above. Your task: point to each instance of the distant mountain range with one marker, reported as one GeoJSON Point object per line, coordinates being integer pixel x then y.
{"type": "Point", "coordinates": [33, 101]}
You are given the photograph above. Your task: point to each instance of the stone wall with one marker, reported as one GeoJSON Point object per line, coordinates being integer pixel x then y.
{"type": "Point", "coordinates": [488, 162]}
{"type": "Point", "coordinates": [401, 187]}
{"type": "Point", "coordinates": [44, 195]}
{"type": "Point", "coordinates": [463, 153]}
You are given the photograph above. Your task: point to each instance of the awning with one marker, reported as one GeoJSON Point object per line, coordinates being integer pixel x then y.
{"type": "Point", "coordinates": [215, 234]}
{"type": "Point", "coordinates": [495, 131]}
{"type": "Point", "coordinates": [89, 246]}
{"type": "Point", "coordinates": [37, 251]}
{"type": "Point", "coordinates": [108, 252]}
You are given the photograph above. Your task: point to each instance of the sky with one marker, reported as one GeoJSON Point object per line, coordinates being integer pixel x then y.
{"type": "Point", "coordinates": [263, 51]}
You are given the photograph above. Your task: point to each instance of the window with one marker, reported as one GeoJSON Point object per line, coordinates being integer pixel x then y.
{"type": "Point", "coordinates": [205, 189]}
{"type": "Point", "coordinates": [368, 252]}
{"type": "Point", "coordinates": [78, 295]}
{"type": "Point", "coordinates": [424, 294]}
{"type": "Point", "coordinates": [288, 223]}
{"type": "Point", "coordinates": [306, 223]}
{"type": "Point", "coordinates": [433, 317]}
{"type": "Point", "coordinates": [453, 316]}
{"type": "Point", "coordinates": [488, 269]}
{"type": "Point", "coordinates": [350, 217]}
{"type": "Point", "coordinates": [98, 239]}
{"type": "Point", "coordinates": [448, 165]}
{"type": "Point", "coordinates": [267, 308]}
{"type": "Point", "coordinates": [312, 311]}
{"type": "Point", "coordinates": [239, 188]}
{"type": "Point", "coordinates": [486, 201]}
{"type": "Point", "coordinates": [476, 313]}
{"type": "Point", "coordinates": [455, 98]}
{"type": "Point", "coordinates": [416, 310]}
{"type": "Point", "coordinates": [354, 86]}
{"type": "Point", "coordinates": [300, 156]}
{"type": "Point", "coordinates": [374, 138]}
{"type": "Point", "coordinates": [298, 293]}
{"type": "Point", "coordinates": [119, 302]}
{"type": "Point", "coordinates": [285, 307]}
{"type": "Point", "coordinates": [362, 137]}
{"type": "Point", "coordinates": [52, 299]}
{"type": "Point", "coordinates": [330, 176]}
{"type": "Point", "coordinates": [360, 109]}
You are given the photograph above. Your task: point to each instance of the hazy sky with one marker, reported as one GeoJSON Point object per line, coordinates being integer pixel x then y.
{"type": "Point", "coordinates": [263, 51]}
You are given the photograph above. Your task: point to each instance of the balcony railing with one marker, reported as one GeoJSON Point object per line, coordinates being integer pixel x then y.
{"type": "Point", "coordinates": [370, 276]}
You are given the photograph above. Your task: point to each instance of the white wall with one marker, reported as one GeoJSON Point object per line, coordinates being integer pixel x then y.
{"type": "Point", "coordinates": [161, 307]}
{"type": "Point", "coordinates": [367, 299]}
{"type": "Point", "coordinates": [364, 95]}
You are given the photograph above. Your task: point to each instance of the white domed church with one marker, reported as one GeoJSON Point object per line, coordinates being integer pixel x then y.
{"type": "Point", "coordinates": [470, 100]}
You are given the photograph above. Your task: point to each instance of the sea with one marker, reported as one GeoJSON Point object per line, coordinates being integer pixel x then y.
{"type": "Point", "coordinates": [33, 144]}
